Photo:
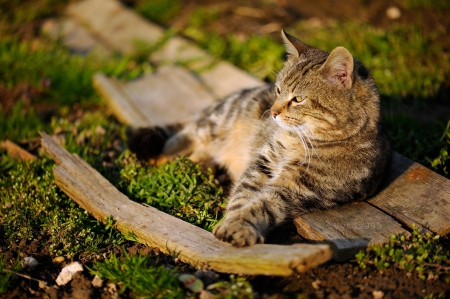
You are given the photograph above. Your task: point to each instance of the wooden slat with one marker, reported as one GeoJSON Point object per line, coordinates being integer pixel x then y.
{"type": "Point", "coordinates": [75, 36]}
{"type": "Point", "coordinates": [119, 28]}
{"type": "Point", "coordinates": [171, 94]}
{"type": "Point", "coordinates": [120, 102]}
{"type": "Point", "coordinates": [16, 151]}
{"type": "Point", "coordinates": [171, 235]}
{"type": "Point", "coordinates": [348, 229]}
{"type": "Point", "coordinates": [416, 195]}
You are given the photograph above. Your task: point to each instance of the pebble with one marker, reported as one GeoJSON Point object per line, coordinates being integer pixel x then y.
{"type": "Point", "coordinates": [30, 261]}
{"type": "Point", "coordinates": [67, 273]}
{"type": "Point", "coordinates": [393, 13]}
{"type": "Point", "coordinates": [97, 282]}
{"type": "Point", "coordinates": [59, 259]}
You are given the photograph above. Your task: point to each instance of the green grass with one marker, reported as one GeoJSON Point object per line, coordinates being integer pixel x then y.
{"type": "Point", "coordinates": [160, 11]}
{"type": "Point", "coordinates": [179, 188]}
{"type": "Point", "coordinates": [137, 274]}
{"type": "Point", "coordinates": [419, 253]}
{"type": "Point", "coordinates": [5, 275]}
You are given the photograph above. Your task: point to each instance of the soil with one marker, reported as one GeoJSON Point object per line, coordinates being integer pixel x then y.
{"type": "Point", "coordinates": [332, 280]}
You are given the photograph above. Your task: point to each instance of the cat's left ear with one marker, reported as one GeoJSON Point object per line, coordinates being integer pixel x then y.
{"type": "Point", "coordinates": [338, 69]}
{"type": "Point", "coordinates": [294, 47]}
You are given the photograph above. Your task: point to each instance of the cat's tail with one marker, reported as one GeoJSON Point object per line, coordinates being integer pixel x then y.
{"type": "Point", "coordinates": [149, 142]}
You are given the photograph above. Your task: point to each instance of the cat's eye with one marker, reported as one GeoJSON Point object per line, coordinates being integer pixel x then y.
{"type": "Point", "coordinates": [299, 99]}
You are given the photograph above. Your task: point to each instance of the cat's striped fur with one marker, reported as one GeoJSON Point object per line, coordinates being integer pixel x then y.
{"type": "Point", "coordinates": [320, 146]}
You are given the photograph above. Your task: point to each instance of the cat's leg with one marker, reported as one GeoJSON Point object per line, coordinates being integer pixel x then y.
{"type": "Point", "coordinates": [255, 207]}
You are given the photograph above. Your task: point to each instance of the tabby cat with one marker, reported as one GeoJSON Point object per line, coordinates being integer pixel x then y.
{"type": "Point", "coordinates": [320, 146]}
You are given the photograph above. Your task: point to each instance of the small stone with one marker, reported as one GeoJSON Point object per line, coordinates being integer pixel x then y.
{"type": "Point", "coordinates": [67, 273]}
{"type": "Point", "coordinates": [30, 261]}
{"type": "Point", "coordinates": [59, 259]}
{"type": "Point", "coordinates": [206, 295]}
{"type": "Point", "coordinates": [378, 294]}
{"type": "Point", "coordinates": [316, 284]}
{"type": "Point", "coordinates": [97, 282]}
{"type": "Point", "coordinates": [393, 13]}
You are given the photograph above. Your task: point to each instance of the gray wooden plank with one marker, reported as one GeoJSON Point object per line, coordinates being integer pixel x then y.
{"type": "Point", "coordinates": [75, 36]}
{"type": "Point", "coordinates": [120, 102]}
{"type": "Point", "coordinates": [416, 195]}
{"type": "Point", "coordinates": [119, 28]}
{"type": "Point", "coordinates": [348, 229]}
{"type": "Point", "coordinates": [171, 94]}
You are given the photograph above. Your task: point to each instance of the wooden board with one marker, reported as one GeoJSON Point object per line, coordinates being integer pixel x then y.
{"type": "Point", "coordinates": [171, 235]}
{"type": "Point", "coordinates": [348, 229]}
{"type": "Point", "coordinates": [416, 195]}
{"type": "Point", "coordinates": [75, 36]}
{"type": "Point", "coordinates": [16, 151]}
{"type": "Point", "coordinates": [171, 94]}
{"type": "Point", "coordinates": [119, 29]}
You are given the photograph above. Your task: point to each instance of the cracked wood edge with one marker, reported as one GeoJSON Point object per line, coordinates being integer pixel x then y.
{"type": "Point", "coordinates": [171, 235]}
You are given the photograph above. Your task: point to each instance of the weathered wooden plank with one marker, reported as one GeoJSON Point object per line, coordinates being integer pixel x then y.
{"type": "Point", "coordinates": [348, 229]}
{"type": "Point", "coordinates": [416, 195]}
{"type": "Point", "coordinates": [171, 235]}
{"type": "Point", "coordinates": [119, 28]}
{"type": "Point", "coordinates": [171, 94]}
{"type": "Point", "coordinates": [16, 151]}
{"type": "Point", "coordinates": [120, 102]}
{"type": "Point", "coordinates": [75, 36]}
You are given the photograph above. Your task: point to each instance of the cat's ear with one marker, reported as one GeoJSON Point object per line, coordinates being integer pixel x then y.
{"type": "Point", "coordinates": [338, 69]}
{"type": "Point", "coordinates": [294, 47]}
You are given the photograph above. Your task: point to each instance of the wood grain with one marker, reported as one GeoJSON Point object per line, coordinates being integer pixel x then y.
{"type": "Point", "coordinates": [171, 235]}
{"type": "Point", "coordinates": [348, 229]}
{"type": "Point", "coordinates": [414, 194]}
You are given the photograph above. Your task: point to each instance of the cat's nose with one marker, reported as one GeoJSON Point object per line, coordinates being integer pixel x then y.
{"type": "Point", "coordinates": [274, 112]}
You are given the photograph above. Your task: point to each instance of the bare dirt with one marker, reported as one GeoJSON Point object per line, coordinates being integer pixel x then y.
{"type": "Point", "coordinates": [332, 280]}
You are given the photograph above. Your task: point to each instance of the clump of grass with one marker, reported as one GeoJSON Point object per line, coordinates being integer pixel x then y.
{"type": "Point", "coordinates": [160, 11]}
{"type": "Point", "coordinates": [55, 74]}
{"type": "Point", "coordinates": [136, 274]}
{"type": "Point", "coordinates": [5, 273]}
{"type": "Point", "coordinates": [21, 122]}
{"type": "Point", "coordinates": [259, 55]}
{"type": "Point", "coordinates": [413, 139]}
{"type": "Point", "coordinates": [31, 204]}
{"type": "Point", "coordinates": [421, 253]}
{"type": "Point", "coordinates": [442, 162]}
{"type": "Point", "coordinates": [179, 188]}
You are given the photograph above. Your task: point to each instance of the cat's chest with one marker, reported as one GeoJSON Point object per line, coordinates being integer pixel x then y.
{"type": "Point", "coordinates": [286, 152]}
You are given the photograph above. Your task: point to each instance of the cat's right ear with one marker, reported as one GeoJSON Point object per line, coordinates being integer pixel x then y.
{"type": "Point", "coordinates": [294, 47]}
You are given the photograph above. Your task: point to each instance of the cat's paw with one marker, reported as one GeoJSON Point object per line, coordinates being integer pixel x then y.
{"type": "Point", "coordinates": [238, 233]}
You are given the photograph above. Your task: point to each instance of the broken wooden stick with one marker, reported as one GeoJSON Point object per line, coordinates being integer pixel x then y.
{"type": "Point", "coordinates": [16, 151]}
{"type": "Point", "coordinates": [171, 235]}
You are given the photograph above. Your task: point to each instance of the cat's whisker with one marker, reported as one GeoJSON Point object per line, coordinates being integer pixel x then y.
{"type": "Point", "coordinates": [310, 142]}
{"type": "Point", "coordinates": [307, 152]}
{"type": "Point", "coordinates": [265, 114]}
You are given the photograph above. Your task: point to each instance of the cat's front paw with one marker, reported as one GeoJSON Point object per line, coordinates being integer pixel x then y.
{"type": "Point", "coordinates": [238, 233]}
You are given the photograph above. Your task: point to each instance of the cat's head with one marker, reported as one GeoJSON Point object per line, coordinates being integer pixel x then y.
{"type": "Point", "coordinates": [328, 95]}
